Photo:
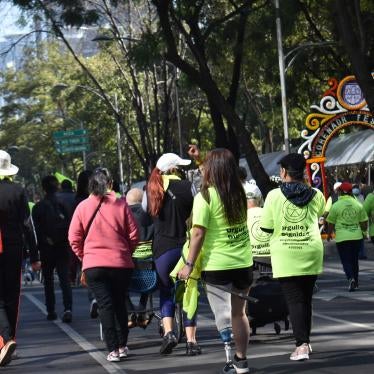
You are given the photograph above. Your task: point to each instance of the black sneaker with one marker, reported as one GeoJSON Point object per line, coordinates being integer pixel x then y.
{"type": "Point", "coordinates": [94, 309]}
{"type": "Point", "coordinates": [67, 317]}
{"type": "Point", "coordinates": [51, 316]}
{"type": "Point", "coordinates": [228, 368]}
{"type": "Point", "coordinates": [192, 349]}
{"type": "Point", "coordinates": [241, 366]}
{"type": "Point", "coordinates": [169, 341]}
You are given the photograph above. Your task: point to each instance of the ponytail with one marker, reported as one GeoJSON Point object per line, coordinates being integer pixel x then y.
{"type": "Point", "coordinates": [155, 192]}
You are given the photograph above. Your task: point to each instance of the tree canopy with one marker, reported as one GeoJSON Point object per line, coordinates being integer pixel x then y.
{"type": "Point", "coordinates": [219, 56]}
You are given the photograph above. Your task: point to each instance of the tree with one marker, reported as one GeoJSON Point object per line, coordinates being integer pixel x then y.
{"type": "Point", "coordinates": [225, 53]}
{"type": "Point", "coordinates": [197, 26]}
{"type": "Point", "coordinates": [35, 107]}
{"type": "Point", "coordinates": [140, 89]}
{"type": "Point", "coordinates": [351, 24]}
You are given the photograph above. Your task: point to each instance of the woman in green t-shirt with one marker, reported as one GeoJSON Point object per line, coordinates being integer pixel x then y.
{"type": "Point", "coordinates": [348, 219]}
{"type": "Point", "coordinates": [369, 208]}
{"type": "Point", "coordinates": [219, 231]}
{"type": "Point", "coordinates": [291, 215]}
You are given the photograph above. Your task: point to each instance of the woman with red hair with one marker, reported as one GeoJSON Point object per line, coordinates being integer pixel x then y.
{"type": "Point", "coordinates": [169, 201]}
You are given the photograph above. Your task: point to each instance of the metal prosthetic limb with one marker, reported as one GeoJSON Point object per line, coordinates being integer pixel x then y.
{"type": "Point", "coordinates": [226, 336]}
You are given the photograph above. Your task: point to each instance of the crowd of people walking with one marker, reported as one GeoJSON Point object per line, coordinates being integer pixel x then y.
{"type": "Point", "coordinates": [206, 225]}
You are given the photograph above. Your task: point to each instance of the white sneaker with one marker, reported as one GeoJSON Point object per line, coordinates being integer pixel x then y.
{"type": "Point", "coordinates": [123, 352]}
{"type": "Point", "coordinates": [310, 348]}
{"type": "Point", "coordinates": [301, 353]}
{"type": "Point", "coordinates": [113, 357]}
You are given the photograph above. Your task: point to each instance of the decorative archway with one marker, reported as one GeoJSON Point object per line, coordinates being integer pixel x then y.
{"type": "Point", "coordinates": [342, 105]}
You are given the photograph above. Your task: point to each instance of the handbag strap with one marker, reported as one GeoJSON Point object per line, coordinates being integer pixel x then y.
{"type": "Point", "coordinates": [91, 219]}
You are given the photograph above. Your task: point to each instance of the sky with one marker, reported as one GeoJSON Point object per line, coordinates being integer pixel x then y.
{"type": "Point", "coordinates": [9, 15]}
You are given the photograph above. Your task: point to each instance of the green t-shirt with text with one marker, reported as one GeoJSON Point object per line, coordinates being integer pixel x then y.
{"type": "Point", "coordinates": [225, 246]}
{"type": "Point", "coordinates": [296, 246]}
{"type": "Point", "coordinates": [346, 214]}
{"type": "Point", "coordinates": [259, 239]}
{"type": "Point", "coordinates": [369, 208]}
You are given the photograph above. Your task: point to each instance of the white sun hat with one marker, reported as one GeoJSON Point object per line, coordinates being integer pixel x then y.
{"type": "Point", "coordinates": [252, 191]}
{"type": "Point", "coordinates": [169, 161]}
{"type": "Point", "coordinates": [6, 167]}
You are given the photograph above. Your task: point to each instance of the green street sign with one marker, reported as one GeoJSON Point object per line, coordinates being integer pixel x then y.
{"type": "Point", "coordinates": [71, 141]}
{"type": "Point", "coordinates": [73, 148]}
{"type": "Point", "coordinates": [69, 133]}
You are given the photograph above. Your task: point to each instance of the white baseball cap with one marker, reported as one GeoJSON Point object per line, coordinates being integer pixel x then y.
{"type": "Point", "coordinates": [337, 185]}
{"type": "Point", "coordinates": [169, 161]}
{"type": "Point", "coordinates": [252, 191]}
{"type": "Point", "coordinates": [6, 167]}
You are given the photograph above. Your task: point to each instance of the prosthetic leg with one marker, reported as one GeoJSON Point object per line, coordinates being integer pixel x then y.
{"type": "Point", "coordinates": [227, 337]}
{"type": "Point", "coordinates": [220, 303]}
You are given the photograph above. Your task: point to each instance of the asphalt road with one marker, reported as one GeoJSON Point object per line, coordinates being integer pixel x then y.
{"type": "Point", "coordinates": [342, 338]}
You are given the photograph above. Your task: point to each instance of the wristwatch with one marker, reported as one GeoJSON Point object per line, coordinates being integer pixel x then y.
{"type": "Point", "coordinates": [189, 264]}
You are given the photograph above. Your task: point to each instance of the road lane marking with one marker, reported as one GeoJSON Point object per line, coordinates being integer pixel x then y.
{"type": "Point", "coordinates": [336, 270]}
{"type": "Point", "coordinates": [364, 326]}
{"type": "Point", "coordinates": [329, 295]}
{"type": "Point", "coordinates": [80, 340]}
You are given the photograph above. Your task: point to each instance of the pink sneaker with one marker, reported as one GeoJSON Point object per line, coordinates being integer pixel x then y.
{"type": "Point", "coordinates": [301, 353]}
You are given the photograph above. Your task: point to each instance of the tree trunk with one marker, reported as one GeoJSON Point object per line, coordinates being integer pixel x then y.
{"type": "Point", "coordinates": [219, 127]}
{"type": "Point", "coordinates": [257, 169]}
{"type": "Point", "coordinates": [359, 62]}
{"type": "Point", "coordinates": [203, 79]}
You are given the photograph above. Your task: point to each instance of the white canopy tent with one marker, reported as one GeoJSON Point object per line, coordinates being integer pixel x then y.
{"type": "Point", "coordinates": [345, 149]}
{"type": "Point", "coordinates": [348, 149]}
{"type": "Point", "coordinates": [269, 162]}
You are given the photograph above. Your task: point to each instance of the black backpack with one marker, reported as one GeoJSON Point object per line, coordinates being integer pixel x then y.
{"type": "Point", "coordinates": [56, 222]}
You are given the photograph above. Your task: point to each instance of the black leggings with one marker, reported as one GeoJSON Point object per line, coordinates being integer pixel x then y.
{"type": "Point", "coordinates": [10, 286]}
{"type": "Point", "coordinates": [298, 292]}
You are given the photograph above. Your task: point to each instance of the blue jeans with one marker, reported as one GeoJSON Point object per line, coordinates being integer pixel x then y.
{"type": "Point", "coordinates": [348, 252]}
{"type": "Point", "coordinates": [362, 252]}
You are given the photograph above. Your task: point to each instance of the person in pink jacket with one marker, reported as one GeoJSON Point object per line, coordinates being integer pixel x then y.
{"type": "Point", "coordinates": [103, 234]}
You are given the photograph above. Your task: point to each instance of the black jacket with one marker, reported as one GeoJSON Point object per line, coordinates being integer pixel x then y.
{"type": "Point", "coordinates": [40, 215]}
{"type": "Point", "coordinates": [170, 225]}
{"type": "Point", "coordinates": [144, 221]}
{"type": "Point", "coordinates": [15, 219]}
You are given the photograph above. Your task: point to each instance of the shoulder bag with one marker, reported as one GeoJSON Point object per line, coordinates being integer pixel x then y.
{"type": "Point", "coordinates": [83, 276]}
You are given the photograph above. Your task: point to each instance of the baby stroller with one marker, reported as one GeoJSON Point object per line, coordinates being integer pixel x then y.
{"type": "Point", "coordinates": [144, 282]}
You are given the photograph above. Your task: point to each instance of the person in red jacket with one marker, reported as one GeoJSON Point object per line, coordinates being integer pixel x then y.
{"type": "Point", "coordinates": [104, 234]}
